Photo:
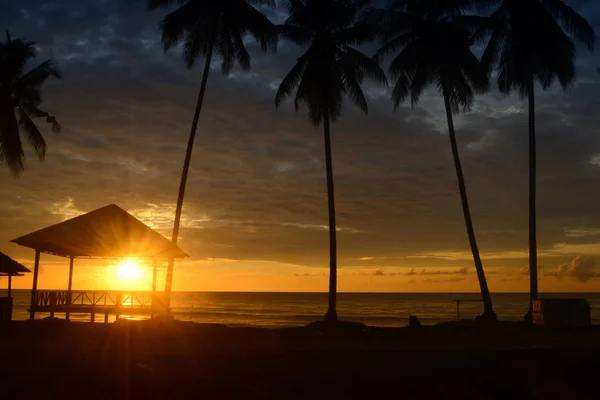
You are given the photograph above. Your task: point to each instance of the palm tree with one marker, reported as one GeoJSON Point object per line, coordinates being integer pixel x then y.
{"type": "Point", "coordinates": [20, 99]}
{"type": "Point", "coordinates": [529, 42]}
{"type": "Point", "coordinates": [209, 27]}
{"type": "Point", "coordinates": [432, 42]}
{"type": "Point", "coordinates": [330, 70]}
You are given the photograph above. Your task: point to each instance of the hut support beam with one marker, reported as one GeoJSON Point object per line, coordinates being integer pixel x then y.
{"type": "Point", "coordinates": [36, 270]}
{"type": "Point", "coordinates": [154, 276]}
{"type": "Point", "coordinates": [153, 286]}
{"type": "Point", "coordinates": [9, 284]}
{"type": "Point", "coordinates": [69, 287]}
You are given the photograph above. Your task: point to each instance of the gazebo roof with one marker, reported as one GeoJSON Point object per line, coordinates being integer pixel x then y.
{"type": "Point", "coordinates": [106, 232]}
{"type": "Point", "coordinates": [8, 266]}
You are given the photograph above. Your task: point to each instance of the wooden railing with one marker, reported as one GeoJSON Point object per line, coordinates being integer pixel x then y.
{"type": "Point", "coordinates": [106, 299]}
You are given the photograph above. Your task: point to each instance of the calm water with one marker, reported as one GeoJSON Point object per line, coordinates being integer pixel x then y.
{"type": "Point", "coordinates": [294, 309]}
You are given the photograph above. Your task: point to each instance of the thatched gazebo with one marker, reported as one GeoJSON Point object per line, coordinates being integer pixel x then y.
{"type": "Point", "coordinates": [10, 268]}
{"type": "Point", "coordinates": [108, 232]}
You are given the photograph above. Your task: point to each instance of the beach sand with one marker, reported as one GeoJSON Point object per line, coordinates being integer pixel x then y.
{"type": "Point", "coordinates": [173, 360]}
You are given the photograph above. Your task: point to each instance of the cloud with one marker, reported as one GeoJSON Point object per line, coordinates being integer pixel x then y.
{"type": "Point", "coordinates": [413, 272]}
{"type": "Point", "coordinates": [581, 268]}
{"type": "Point", "coordinates": [306, 275]}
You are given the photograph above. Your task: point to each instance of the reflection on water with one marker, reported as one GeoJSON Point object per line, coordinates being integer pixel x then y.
{"type": "Point", "coordinates": [293, 309]}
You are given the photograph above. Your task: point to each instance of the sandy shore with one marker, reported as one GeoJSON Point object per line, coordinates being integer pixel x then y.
{"type": "Point", "coordinates": [163, 359]}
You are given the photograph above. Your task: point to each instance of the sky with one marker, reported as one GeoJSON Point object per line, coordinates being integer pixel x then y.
{"type": "Point", "coordinates": [255, 212]}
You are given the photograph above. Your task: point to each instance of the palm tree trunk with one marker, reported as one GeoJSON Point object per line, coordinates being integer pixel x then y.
{"type": "Point", "coordinates": [331, 315]}
{"type": "Point", "coordinates": [488, 311]}
{"type": "Point", "coordinates": [533, 272]}
{"type": "Point", "coordinates": [186, 166]}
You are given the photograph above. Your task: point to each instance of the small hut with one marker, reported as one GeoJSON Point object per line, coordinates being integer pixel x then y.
{"type": "Point", "coordinates": [108, 232]}
{"type": "Point", "coordinates": [9, 268]}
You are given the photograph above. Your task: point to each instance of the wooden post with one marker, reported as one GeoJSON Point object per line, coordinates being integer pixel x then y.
{"type": "Point", "coordinates": [52, 303]}
{"type": "Point", "coordinates": [9, 284]}
{"type": "Point", "coordinates": [36, 270]}
{"type": "Point", "coordinates": [152, 314]}
{"type": "Point", "coordinates": [118, 305]}
{"type": "Point", "coordinates": [69, 294]}
{"type": "Point", "coordinates": [154, 276]}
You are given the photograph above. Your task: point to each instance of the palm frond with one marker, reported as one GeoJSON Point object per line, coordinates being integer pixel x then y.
{"type": "Point", "coordinates": [422, 76]}
{"type": "Point", "coordinates": [27, 95]}
{"type": "Point", "coordinates": [33, 135]}
{"type": "Point", "coordinates": [453, 83]}
{"type": "Point", "coordinates": [402, 87]}
{"type": "Point", "coordinates": [179, 24]}
{"type": "Point", "coordinates": [291, 81]}
{"type": "Point", "coordinates": [497, 26]}
{"type": "Point", "coordinates": [354, 92]}
{"type": "Point", "coordinates": [510, 77]}
{"type": "Point", "coordinates": [197, 43]}
{"type": "Point", "coordinates": [11, 147]}
{"type": "Point", "coordinates": [241, 53]}
{"type": "Point", "coordinates": [474, 71]}
{"type": "Point", "coordinates": [572, 22]}
{"type": "Point", "coordinates": [405, 60]}
{"type": "Point", "coordinates": [224, 47]}
{"type": "Point", "coordinates": [15, 55]}
{"type": "Point", "coordinates": [393, 46]}
{"type": "Point", "coordinates": [299, 35]}
{"type": "Point", "coordinates": [153, 4]}
{"type": "Point", "coordinates": [257, 25]}
{"type": "Point", "coordinates": [38, 75]}
{"type": "Point", "coordinates": [32, 111]}
{"type": "Point", "coordinates": [268, 3]}
{"type": "Point", "coordinates": [331, 69]}
{"type": "Point", "coordinates": [469, 23]}
{"type": "Point", "coordinates": [358, 34]}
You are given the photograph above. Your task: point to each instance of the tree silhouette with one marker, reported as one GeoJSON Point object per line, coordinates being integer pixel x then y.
{"type": "Point", "coordinates": [431, 41]}
{"type": "Point", "coordinates": [328, 71]}
{"type": "Point", "coordinates": [208, 28]}
{"type": "Point", "coordinates": [20, 99]}
{"type": "Point", "coordinates": [529, 42]}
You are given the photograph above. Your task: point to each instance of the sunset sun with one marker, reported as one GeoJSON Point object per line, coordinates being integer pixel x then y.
{"type": "Point", "coordinates": [129, 270]}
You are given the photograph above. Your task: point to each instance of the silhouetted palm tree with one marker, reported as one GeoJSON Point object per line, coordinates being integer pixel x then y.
{"type": "Point", "coordinates": [432, 45]}
{"type": "Point", "coordinates": [328, 71]}
{"type": "Point", "coordinates": [20, 99]}
{"type": "Point", "coordinates": [209, 27]}
{"type": "Point", "coordinates": [529, 41]}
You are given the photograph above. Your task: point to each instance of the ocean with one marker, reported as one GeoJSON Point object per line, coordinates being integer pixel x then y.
{"type": "Point", "coordinates": [296, 309]}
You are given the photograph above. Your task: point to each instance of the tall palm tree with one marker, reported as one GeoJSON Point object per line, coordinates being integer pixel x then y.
{"type": "Point", "coordinates": [529, 42]}
{"type": "Point", "coordinates": [330, 70]}
{"type": "Point", "coordinates": [208, 28]}
{"type": "Point", "coordinates": [431, 41]}
{"type": "Point", "coordinates": [20, 99]}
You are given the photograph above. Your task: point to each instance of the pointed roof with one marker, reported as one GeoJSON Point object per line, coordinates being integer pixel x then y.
{"type": "Point", "coordinates": [106, 232]}
{"type": "Point", "coordinates": [9, 266]}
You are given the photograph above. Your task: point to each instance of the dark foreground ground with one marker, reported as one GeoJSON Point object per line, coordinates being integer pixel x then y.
{"type": "Point", "coordinates": [174, 360]}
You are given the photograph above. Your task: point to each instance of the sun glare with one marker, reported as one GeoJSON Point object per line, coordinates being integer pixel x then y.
{"type": "Point", "coordinates": [129, 270]}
